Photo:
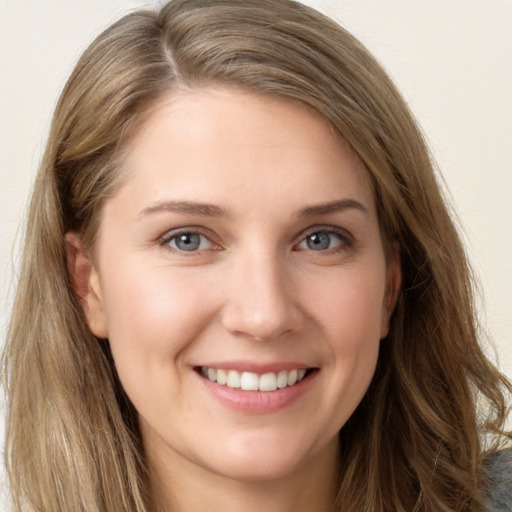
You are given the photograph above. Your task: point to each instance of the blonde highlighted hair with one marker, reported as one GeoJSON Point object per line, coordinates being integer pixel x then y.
{"type": "Point", "coordinates": [416, 442]}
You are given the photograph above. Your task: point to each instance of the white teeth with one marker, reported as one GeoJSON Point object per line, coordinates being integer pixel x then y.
{"type": "Point", "coordinates": [250, 381]}
{"type": "Point", "coordinates": [233, 379]}
{"type": "Point", "coordinates": [268, 382]}
{"type": "Point", "coordinates": [222, 377]}
{"type": "Point", "coordinates": [282, 379]}
{"type": "Point", "coordinates": [292, 377]}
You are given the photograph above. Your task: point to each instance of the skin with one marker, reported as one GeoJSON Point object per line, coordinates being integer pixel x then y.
{"type": "Point", "coordinates": [254, 291]}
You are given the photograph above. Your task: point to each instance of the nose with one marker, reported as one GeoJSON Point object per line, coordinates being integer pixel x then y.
{"type": "Point", "coordinates": [260, 303]}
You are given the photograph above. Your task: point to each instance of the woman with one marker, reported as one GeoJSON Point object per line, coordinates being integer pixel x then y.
{"type": "Point", "coordinates": [246, 290]}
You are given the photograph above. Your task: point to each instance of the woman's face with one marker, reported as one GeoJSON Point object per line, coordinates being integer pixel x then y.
{"type": "Point", "coordinates": [242, 249]}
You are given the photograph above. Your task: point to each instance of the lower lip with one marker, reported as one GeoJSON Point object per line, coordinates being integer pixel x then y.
{"type": "Point", "coordinates": [258, 402]}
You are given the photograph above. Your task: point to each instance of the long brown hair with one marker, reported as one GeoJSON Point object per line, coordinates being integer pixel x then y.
{"type": "Point", "coordinates": [417, 440]}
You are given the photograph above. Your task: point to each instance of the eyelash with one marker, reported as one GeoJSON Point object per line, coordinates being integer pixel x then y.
{"type": "Point", "coordinates": [345, 238]}
{"type": "Point", "coordinates": [168, 237]}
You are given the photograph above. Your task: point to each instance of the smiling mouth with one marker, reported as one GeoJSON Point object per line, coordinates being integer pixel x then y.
{"type": "Point", "coordinates": [250, 381]}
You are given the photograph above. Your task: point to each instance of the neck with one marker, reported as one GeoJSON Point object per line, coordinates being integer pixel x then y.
{"type": "Point", "coordinates": [182, 486]}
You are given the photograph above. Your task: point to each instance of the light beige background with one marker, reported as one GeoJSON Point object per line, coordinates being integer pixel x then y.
{"type": "Point", "coordinates": [452, 59]}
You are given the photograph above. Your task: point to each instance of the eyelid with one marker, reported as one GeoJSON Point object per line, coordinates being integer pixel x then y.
{"type": "Point", "coordinates": [348, 240]}
{"type": "Point", "coordinates": [165, 239]}
{"type": "Point", "coordinates": [346, 237]}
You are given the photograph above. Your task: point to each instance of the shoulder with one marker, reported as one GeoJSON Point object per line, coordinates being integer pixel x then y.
{"type": "Point", "coordinates": [497, 475]}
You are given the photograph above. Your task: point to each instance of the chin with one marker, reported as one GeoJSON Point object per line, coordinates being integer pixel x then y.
{"type": "Point", "coordinates": [262, 460]}
{"type": "Point", "coordinates": [257, 469]}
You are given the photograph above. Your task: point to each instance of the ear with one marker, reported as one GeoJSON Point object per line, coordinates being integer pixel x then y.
{"type": "Point", "coordinates": [86, 284]}
{"type": "Point", "coordinates": [393, 283]}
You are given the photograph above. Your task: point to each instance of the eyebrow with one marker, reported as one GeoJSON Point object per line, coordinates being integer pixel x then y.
{"type": "Point", "coordinates": [211, 210]}
{"type": "Point", "coordinates": [184, 207]}
{"type": "Point", "coordinates": [332, 207]}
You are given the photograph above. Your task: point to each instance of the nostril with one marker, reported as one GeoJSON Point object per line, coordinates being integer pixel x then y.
{"type": "Point", "coordinates": [259, 311]}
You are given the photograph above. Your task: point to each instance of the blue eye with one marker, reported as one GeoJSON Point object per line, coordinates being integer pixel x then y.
{"type": "Point", "coordinates": [321, 241]}
{"type": "Point", "coordinates": [189, 242]}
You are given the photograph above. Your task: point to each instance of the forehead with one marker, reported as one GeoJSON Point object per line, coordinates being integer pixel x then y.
{"type": "Point", "coordinates": [225, 144]}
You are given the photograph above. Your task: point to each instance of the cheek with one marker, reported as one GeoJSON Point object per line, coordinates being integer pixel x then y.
{"type": "Point", "coordinates": [350, 308]}
{"type": "Point", "coordinates": [152, 315]}
{"type": "Point", "coordinates": [350, 313]}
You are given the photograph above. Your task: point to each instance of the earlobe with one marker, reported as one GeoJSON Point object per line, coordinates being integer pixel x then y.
{"type": "Point", "coordinates": [86, 284]}
{"type": "Point", "coordinates": [393, 283]}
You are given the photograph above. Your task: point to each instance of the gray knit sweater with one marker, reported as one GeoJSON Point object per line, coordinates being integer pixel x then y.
{"type": "Point", "coordinates": [498, 478]}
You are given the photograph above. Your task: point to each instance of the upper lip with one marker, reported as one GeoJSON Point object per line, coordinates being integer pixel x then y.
{"type": "Point", "coordinates": [255, 367]}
